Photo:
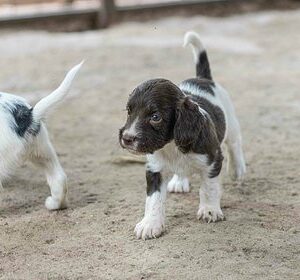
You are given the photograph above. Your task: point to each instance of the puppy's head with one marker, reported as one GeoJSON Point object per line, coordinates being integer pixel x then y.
{"type": "Point", "coordinates": [151, 116]}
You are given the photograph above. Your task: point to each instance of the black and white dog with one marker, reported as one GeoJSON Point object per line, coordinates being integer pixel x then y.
{"type": "Point", "coordinates": [23, 135]}
{"type": "Point", "coordinates": [182, 129]}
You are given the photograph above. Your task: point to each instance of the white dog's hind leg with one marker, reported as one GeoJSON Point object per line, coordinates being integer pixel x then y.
{"type": "Point", "coordinates": [45, 157]}
{"type": "Point", "coordinates": [178, 184]}
{"type": "Point", "coordinates": [210, 197]}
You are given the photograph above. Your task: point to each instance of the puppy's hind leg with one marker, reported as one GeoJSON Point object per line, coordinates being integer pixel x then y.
{"type": "Point", "coordinates": [236, 166]}
{"type": "Point", "coordinates": [178, 184]}
{"type": "Point", "coordinates": [44, 156]}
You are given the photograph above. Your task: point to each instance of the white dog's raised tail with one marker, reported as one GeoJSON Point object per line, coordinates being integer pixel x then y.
{"type": "Point", "coordinates": [44, 106]}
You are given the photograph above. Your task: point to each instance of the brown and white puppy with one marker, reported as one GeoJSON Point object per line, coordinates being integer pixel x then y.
{"type": "Point", "coordinates": [181, 129]}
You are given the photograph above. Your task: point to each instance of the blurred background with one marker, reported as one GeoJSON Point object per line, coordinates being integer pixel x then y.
{"type": "Point", "coordinates": [77, 15]}
{"type": "Point", "coordinates": [253, 47]}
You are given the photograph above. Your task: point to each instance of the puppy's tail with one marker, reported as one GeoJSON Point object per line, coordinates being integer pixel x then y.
{"type": "Point", "coordinates": [44, 106]}
{"type": "Point", "coordinates": [200, 55]}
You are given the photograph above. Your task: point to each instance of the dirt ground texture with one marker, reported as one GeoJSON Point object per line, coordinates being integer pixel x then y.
{"type": "Point", "coordinates": [255, 56]}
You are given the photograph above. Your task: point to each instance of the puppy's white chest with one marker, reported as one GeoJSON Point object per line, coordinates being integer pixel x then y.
{"type": "Point", "coordinates": [170, 158]}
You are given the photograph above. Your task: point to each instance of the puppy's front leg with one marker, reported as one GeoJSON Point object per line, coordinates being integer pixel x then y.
{"type": "Point", "coordinates": [153, 223]}
{"type": "Point", "coordinates": [210, 197]}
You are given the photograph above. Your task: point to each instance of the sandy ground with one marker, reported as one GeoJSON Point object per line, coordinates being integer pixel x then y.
{"type": "Point", "coordinates": [256, 57]}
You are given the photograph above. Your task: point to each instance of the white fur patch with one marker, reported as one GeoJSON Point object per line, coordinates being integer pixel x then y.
{"type": "Point", "coordinates": [170, 158]}
{"type": "Point", "coordinates": [178, 184]}
{"type": "Point", "coordinates": [153, 223]}
{"type": "Point", "coordinates": [132, 131]}
{"type": "Point", "coordinates": [210, 197]}
{"type": "Point", "coordinates": [192, 38]}
{"type": "Point", "coordinates": [12, 147]}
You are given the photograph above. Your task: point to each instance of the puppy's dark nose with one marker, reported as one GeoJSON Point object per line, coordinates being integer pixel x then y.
{"type": "Point", "coordinates": [128, 139]}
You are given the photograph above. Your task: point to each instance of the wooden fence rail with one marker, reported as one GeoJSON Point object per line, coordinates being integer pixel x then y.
{"type": "Point", "coordinates": [70, 19]}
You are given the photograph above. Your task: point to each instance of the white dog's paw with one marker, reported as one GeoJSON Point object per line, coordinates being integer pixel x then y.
{"type": "Point", "coordinates": [149, 227]}
{"type": "Point", "coordinates": [210, 213]}
{"type": "Point", "coordinates": [178, 184]}
{"type": "Point", "coordinates": [55, 204]}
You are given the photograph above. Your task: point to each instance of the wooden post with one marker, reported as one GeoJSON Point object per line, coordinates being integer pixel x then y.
{"type": "Point", "coordinates": [68, 2]}
{"type": "Point", "coordinates": [106, 13]}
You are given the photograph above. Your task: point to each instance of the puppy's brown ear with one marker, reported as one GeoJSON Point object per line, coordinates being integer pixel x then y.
{"type": "Point", "coordinates": [194, 131]}
{"type": "Point", "coordinates": [188, 125]}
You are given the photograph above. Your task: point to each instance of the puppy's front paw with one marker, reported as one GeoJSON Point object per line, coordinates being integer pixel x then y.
{"type": "Point", "coordinates": [179, 184]}
{"type": "Point", "coordinates": [149, 227]}
{"type": "Point", "coordinates": [55, 204]}
{"type": "Point", "coordinates": [210, 213]}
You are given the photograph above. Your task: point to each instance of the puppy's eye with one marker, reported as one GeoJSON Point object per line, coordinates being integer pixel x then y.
{"type": "Point", "coordinates": [128, 111]}
{"type": "Point", "coordinates": [155, 118]}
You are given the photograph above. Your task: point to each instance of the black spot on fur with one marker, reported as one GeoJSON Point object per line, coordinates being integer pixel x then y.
{"type": "Point", "coordinates": [23, 120]}
{"type": "Point", "coordinates": [217, 164]}
{"type": "Point", "coordinates": [34, 129]}
{"type": "Point", "coordinates": [153, 182]}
